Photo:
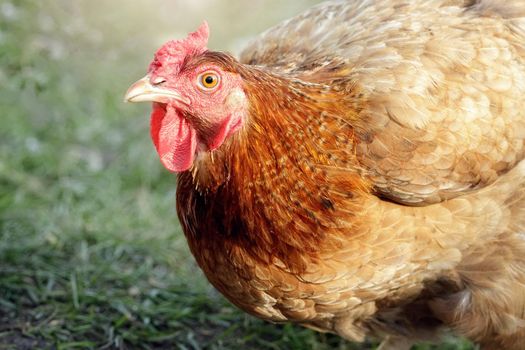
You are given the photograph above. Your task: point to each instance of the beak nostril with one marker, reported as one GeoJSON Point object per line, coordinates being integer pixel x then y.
{"type": "Point", "coordinates": [149, 89]}
{"type": "Point", "coordinates": [158, 80]}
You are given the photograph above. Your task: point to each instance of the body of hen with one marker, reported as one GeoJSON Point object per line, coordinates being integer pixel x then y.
{"type": "Point", "coordinates": [382, 190]}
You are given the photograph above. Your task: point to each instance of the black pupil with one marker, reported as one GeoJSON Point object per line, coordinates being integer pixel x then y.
{"type": "Point", "coordinates": [209, 80]}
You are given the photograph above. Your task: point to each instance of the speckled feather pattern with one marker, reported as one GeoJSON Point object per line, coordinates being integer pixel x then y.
{"type": "Point", "coordinates": [377, 188]}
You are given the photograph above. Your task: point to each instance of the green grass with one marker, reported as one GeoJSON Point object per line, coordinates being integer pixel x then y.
{"type": "Point", "coordinates": [91, 254]}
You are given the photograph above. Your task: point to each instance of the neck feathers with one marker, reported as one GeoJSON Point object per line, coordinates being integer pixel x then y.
{"type": "Point", "coordinates": [278, 187]}
{"type": "Point", "coordinates": [292, 122]}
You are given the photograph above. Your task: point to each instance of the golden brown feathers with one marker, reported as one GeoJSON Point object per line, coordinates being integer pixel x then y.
{"type": "Point", "coordinates": [378, 184]}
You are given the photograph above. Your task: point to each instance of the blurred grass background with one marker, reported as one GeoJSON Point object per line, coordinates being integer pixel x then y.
{"type": "Point", "coordinates": [91, 254]}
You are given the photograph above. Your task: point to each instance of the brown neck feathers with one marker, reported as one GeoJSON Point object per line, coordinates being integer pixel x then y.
{"type": "Point", "coordinates": [277, 189]}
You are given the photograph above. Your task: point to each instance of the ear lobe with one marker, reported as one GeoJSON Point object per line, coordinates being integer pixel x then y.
{"type": "Point", "coordinates": [236, 99]}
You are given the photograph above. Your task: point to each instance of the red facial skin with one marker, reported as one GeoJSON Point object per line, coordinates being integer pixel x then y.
{"type": "Point", "coordinates": [180, 130]}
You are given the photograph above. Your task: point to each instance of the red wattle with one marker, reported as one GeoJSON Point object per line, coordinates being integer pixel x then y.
{"type": "Point", "coordinates": [228, 127]}
{"type": "Point", "coordinates": [174, 138]}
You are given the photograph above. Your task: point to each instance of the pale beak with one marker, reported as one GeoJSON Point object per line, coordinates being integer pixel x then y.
{"type": "Point", "coordinates": [144, 91]}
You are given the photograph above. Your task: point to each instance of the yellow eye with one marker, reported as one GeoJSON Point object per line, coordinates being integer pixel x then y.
{"type": "Point", "coordinates": [208, 80]}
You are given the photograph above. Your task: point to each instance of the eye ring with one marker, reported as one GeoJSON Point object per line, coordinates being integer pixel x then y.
{"type": "Point", "coordinates": [208, 80]}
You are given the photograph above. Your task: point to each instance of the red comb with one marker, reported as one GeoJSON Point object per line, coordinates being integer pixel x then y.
{"type": "Point", "coordinates": [174, 52]}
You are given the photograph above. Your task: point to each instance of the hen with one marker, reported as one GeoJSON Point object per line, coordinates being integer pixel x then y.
{"type": "Point", "coordinates": [359, 170]}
